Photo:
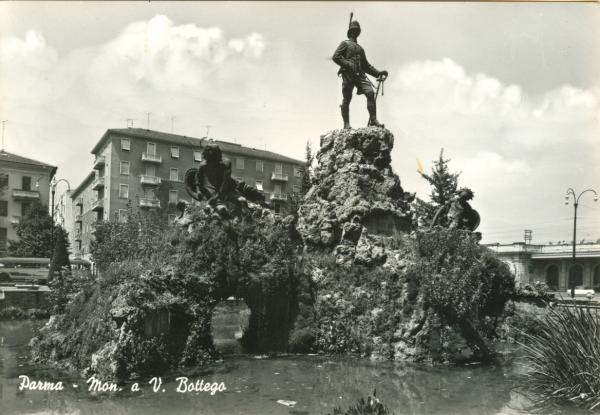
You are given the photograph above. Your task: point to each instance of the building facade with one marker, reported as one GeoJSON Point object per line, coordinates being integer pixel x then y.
{"type": "Point", "coordinates": [144, 169]}
{"type": "Point", "coordinates": [553, 264]}
{"type": "Point", "coordinates": [23, 181]}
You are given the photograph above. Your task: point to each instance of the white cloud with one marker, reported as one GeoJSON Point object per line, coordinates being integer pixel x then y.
{"type": "Point", "coordinates": [517, 152]}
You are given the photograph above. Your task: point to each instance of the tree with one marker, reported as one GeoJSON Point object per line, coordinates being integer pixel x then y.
{"type": "Point", "coordinates": [60, 278]}
{"type": "Point", "coordinates": [306, 182]}
{"type": "Point", "coordinates": [60, 258]}
{"type": "Point", "coordinates": [35, 234]}
{"type": "Point", "coordinates": [444, 186]}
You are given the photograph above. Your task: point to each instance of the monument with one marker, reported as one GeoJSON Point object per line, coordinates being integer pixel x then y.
{"type": "Point", "coordinates": [354, 66]}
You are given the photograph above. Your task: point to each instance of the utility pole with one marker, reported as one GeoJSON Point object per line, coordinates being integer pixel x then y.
{"type": "Point", "coordinates": [528, 234]}
{"type": "Point", "coordinates": [570, 192]}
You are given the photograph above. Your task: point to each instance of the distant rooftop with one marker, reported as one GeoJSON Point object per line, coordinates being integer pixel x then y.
{"type": "Point", "coordinates": [15, 158]}
{"type": "Point", "coordinates": [226, 147]}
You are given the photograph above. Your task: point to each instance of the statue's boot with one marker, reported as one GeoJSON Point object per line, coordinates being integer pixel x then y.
{"type": "Point", "coordinates": [346, 116]}
{"type": "Point", "coordinates": [372, 108]}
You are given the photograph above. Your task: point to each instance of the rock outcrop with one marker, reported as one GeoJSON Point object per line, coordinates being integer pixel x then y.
{"type": "Point", "coordinates": [356, 199]}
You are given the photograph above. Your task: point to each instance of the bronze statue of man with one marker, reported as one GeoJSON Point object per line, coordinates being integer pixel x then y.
{"type": "Point", "coordinates": [213, 181]}
{"type": "Point", "coordinates": [461, 215]}
{"type": "Point", "coordinates": [354, 66]}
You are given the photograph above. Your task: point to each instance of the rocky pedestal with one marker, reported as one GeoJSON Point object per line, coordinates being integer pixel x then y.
{"type": "Point", "coordinates": [356, 199]}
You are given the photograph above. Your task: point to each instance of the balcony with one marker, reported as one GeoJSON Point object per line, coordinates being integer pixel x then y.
{"type": "Point", "coordinates": [98, 205]}
{"type": "Point", "coordinates": [15, 220]}
{"type": "Point", "coordinates": [79, 201]}
{"type": "Point", "coordinates": [99, 162]}
{"type": "Point", "coordinates": [149, 202]}
{"type": "Point", "coordinates": [26, 194]}
{"type": "Point", "coordinates": [78, 218]}
{"type": "Point", "coordinates": [98, 183]}
{"type": "Point", "coordinates": [151, 158]}
{"type": "Point", "coordinates": [282, 197]}
{"type": "Point", "coordinates": [150, 180]}
{"type": "Point", "coordinates": [279, 177]}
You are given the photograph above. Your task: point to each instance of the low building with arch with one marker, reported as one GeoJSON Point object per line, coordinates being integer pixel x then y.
{"type": "Point", "coordinates": [553, 264]}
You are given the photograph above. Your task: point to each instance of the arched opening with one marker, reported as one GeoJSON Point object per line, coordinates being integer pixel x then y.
{"type": "Point", "coordinates": [576, 276]}
{"type": "Point", "coordinates": [596, 279]}
{"type": "Point", "coordinates": [230, 320]}
{"type": "Point", "coordinates": [552, 277]}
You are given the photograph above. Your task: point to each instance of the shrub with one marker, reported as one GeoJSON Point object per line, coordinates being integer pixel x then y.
{"type": "Point", "coordinates": [371, 406]}
{"type": "Point", "coordinates": [463, 282]}
{"type": "Point", "coordinates": [563, 359]}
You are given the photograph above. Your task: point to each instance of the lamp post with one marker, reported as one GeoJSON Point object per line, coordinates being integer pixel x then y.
{"type": "Point", "coordinates": [53, 190]}
{"type": "Point", "coordinates": [570, 192]}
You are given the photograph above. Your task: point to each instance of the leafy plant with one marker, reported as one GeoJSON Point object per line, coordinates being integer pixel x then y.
{"type": "Point", "coordinates": [562, 357]}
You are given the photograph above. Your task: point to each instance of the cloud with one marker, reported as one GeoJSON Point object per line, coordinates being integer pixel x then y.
{"type": "Point", "coordinates": [518, 152]}
{"type": "Point", "coordinates": [59, 106]}
{"type": "Point", "coordinates": [162, 56]}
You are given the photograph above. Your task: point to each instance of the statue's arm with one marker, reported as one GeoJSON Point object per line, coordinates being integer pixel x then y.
{"type": "Point", "coordinates": [370, 69]}
{"type": "Point", "coordinates": [339, 56]}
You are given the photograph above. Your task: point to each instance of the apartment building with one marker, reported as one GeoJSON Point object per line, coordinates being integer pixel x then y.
{"type": "Point", "coordinates": [145, 169]}
{"type": "Point", "coordinates": [23, 181]}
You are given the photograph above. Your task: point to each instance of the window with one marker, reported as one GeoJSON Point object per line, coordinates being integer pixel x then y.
{"type": "Point", "coordinates": [175, 152]}
{"type": "Point", "coordinates": [174, 174]}
{"type": "Point", "coordinates": [259, 165]}
{"type": "Point", "coordinates": [125, 144]}
{"type": "Point", "coordinates": [239, 163]}
{"type": "Point", "coordinates": [296, 188]}
{"type": "Point", "coordinates": [197, 156]}
{"type": "Point", "coordinates": [297, 172]}
{"type": "Point", "coordinates": [79, 245]}
{"type": "Point", "coordinates": [122, 215]}
{"type": "Point", "coordinates": [124, 191]}
{"type": "Point", "coordinates": [3, 233]}
{"type": "Point", "coordinates": [173, 197]}
{"type": "Point", "coordinates": [4, 208]}
{"type": "Point", "coordinates": [151, 149]}
{"type": "Point", "coordinates": [25, 206]}
{"type": "Point", "coordinates": [259, 185]}
{"type": "Point", "coordinates": [26, 183]}
{"type": "Point", "coordinates": [151, 171]}
{"type": "Point", "coordinates": [278, 168]}
{"type": "Point", "coordinates": [125, 168]}
{"type": "Point", "coordinates": [3, 180]}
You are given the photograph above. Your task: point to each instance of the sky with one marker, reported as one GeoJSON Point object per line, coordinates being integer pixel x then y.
{"type": "Point", "coordinates": [510, 91]}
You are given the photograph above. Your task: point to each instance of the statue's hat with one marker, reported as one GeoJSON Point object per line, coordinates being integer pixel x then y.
{"type": "Point", "coordinates": [354, 25]}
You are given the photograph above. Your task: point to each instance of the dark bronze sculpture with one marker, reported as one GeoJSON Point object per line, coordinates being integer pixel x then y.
{"type": "Point", "coordinates": [354, 66]}
{"type": "Point", "coordinates": [460, 213]}
{"type": "Point", "coordinates": [212, 181]}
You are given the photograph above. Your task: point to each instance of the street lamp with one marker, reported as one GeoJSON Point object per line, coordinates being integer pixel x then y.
{"type": "Point", "coordinates": [570, 192]}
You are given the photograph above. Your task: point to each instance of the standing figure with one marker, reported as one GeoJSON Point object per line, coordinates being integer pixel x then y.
{"type": "Point", "coordinates": [351, 58]}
